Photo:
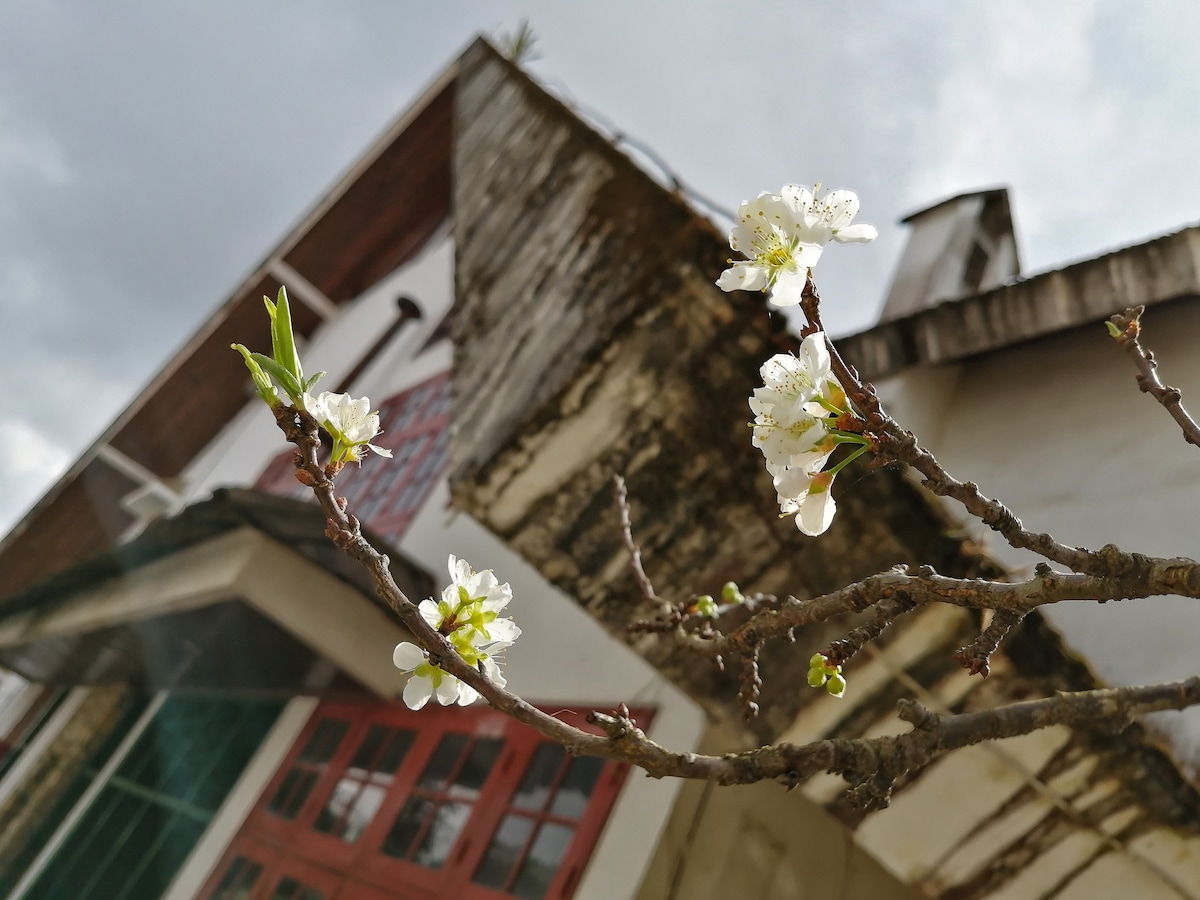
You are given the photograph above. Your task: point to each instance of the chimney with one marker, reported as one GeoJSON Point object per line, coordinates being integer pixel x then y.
{"type": "Point", "coordinates": [962, 245]}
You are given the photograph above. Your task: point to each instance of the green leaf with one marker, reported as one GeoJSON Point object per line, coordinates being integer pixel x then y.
{"type": "Point", "coordinates": [308, 385]}
{"type": "Point", "coordinates": [1113, 330]}
{"type": "Point", "coordinates": [286, 379]}
{"type": "Point", "coordinates": [262, 382]}
{"type": "Point", "coordinates": [283, 340]}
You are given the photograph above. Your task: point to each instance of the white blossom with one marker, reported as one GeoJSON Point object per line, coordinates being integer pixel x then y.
{"type": "Point", "coordinates": [427, 679]}
{"type": "Point", "coordinates": [470, 607]}
{"type": "Point", "coordinates": [829, 217]}
{"type": "Point", "coordinates": [805, 494]}
{"type": "Point", "coordinates": [349, 422]}
{"type": "Point", "coordinates": [782, 237]}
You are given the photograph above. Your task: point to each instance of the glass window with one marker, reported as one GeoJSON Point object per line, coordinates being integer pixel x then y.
{"type": "Point", "coordinates": [525, 852]}
{"type": "Point", "coordinates": [433, 817]}
{"type": "Point", "coordinates": [135, 835]}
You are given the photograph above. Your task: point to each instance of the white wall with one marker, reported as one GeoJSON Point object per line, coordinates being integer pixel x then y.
{"type": "Point", "coordinates": [1058, 430]}
{"type": "Point", "coordinates": [563, 656]}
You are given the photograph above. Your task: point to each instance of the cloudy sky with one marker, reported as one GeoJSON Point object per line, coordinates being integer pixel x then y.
{"type": "Point", "coordinates": [150, 152]}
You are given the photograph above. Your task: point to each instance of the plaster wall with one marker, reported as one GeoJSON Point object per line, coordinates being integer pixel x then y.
{"type": "Point", "coordinates": [1057, 429]}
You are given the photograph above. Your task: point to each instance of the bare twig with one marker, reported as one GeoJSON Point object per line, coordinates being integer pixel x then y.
{"type": "Point", "coordinates": [1151, 577]}
{"type": "Point", "coordinates": [886, 612]}
{"type": "Point", "coordinates": [1126, 328]}
{"type": "Point", "coordinates": [635, 553]}
{"type": "Point", "coordinates": [976, 656]}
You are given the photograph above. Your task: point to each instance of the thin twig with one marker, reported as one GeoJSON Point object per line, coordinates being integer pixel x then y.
{"type": "Point", "coordinates": [976, 657]}
{"type": "Point", "coordinates": [886, 612]}
{"type": "Point", "coordinates": [1127, 330]}
{"type": "Point", "coordinates": [635, 552]}
{"type": "Point", "coordinates": [1152, 577]}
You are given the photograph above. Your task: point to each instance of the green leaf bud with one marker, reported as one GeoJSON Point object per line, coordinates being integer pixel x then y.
{"type": "Point", "coordinates": [731, 593]}
{"type": "Point", "coordinates": [283, 340]}
{"type": "Point", "coordinates": [262, 382]}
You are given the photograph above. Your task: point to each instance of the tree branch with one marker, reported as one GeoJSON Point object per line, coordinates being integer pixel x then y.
{"type": "Point", "coordinates": [1126, 328]}
{"type": "Point", "coordinates": [872, 765]}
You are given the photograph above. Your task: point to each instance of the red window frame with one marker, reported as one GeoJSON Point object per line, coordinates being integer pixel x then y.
{"type": "Point", "coordinates": [387, 496]}
{"type": "Point", "coordinates": [360, 869]}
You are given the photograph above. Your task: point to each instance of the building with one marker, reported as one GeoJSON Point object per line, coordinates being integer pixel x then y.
{"type": "Point", "coordinates": [210, 708]}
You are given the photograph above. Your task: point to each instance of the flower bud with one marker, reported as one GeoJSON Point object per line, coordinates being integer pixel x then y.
{"type": "Point", "coordinates": [836, 685]}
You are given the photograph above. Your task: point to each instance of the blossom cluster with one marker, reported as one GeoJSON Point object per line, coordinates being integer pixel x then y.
{"type": "Point", "coordinates": [468, 616]}
{"type": "Point", "coordinates": [783, 235]}
{"type": "Point", "coordinates": [795, 414]}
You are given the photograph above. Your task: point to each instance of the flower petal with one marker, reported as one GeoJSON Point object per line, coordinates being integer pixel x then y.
{"type": "Point", "coordinates": [466, 694]}
{"type": "Point", "coordinates": [816, 513]}
{"type": "Point", "coordinates": [789, 288]}
{"type": "Point", "coordinates": [407, 657]}
{"type": "Point", "coordinates": [743, 277]}
{"type": "Point", "coordinates": [417, 692]}
{"type": "Point", "coordinates": [448, 690]}
{"type": "Point", "coordinates": [856, 234]}
{"type": "Point", "coordinates": [503, 630]}
{"type": "Point", "coordinates": [493, 673]}
{"type": "Point", "coordinates": [430, 613]}
{"type": "Point", "coordinates": [839, 208]}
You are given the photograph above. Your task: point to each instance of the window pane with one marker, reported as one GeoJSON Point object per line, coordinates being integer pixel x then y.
{"type": "Point", "coordinates": [297, 785]}
{"type": "Point", "coordinates": [539, 777]}
{"type": "Point", "coordinates": [476, 769]}
{"type": "Point", "coordinates": [291, 889]}
{"type": "Point", "coordinates": [445, 758]}
{"type": "Point", "coordinates": [443, 832]}
{"type": "Point", "coordinates": [395, 752]}
{"type": "Point", "coordinates": [238, 881]}
{"type": "Point", "coordinates": [350, 809]}
{"type": "Point", "coordinates": [503, 852]}
{"type": "Point", "coordinates": [324, 741]}
{"type": "Point", "coordinates": [571, 799]}
{"type": "Point", "coordinates": [408, 825]}
{"type": "Point", "coordinates": [369, 748]}
{"type": "Point", "coordinates": [542, 862]}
